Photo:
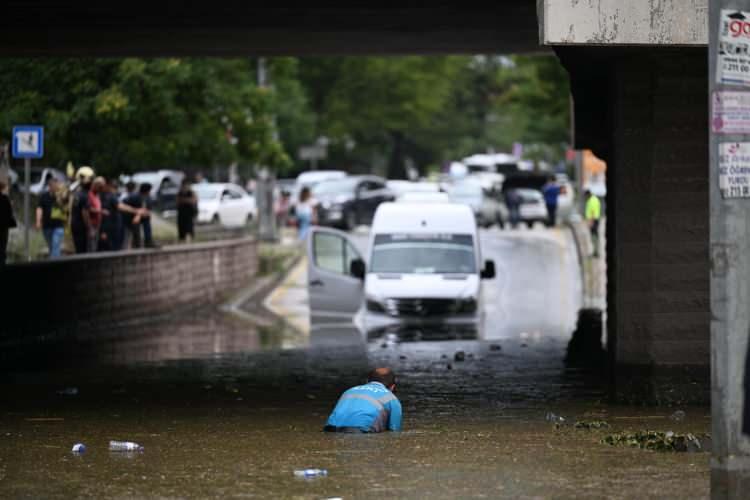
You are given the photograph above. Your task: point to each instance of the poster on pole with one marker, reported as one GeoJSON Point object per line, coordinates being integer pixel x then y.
{"type": "Point", "coordinates": [734, 169]}
{"type": "Point", "coordinates": [733, 61]}
{"type": "Point", "coordinates": [730, 112]}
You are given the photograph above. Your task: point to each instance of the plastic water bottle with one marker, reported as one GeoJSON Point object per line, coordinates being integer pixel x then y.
{"type": "Point", "coordinates": [79, 448]}
{"type": "Point", "coordinates": [310, 473]}
{"type": "Point", "coordinates": [557, 419]}
{"type": "Point", "coordinates": [124, 446]}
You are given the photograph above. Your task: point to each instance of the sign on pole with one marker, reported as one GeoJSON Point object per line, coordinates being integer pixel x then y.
{"type": "Point", "coordinates": [28, 143]}
{"type": "Point", "coordinates": [733, 58]}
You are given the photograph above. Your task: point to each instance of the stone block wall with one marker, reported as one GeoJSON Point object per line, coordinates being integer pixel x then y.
{"type": "Point", "coordinates": [41, 300]}
{"type": "Point", "coordinates": [645, 111]}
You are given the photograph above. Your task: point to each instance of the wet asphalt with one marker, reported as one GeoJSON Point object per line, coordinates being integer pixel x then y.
{"type": "Point", "coordinates": [226, 409]}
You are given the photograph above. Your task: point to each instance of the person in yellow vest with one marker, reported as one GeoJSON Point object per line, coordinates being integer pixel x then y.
{"type": "Point", "coordinates": [593, 213]}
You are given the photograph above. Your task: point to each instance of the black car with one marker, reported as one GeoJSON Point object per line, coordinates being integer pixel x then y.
{"type": "Point", "coordinates": [348, 202]}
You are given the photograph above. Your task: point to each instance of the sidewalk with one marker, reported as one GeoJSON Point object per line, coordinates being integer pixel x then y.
{"type": "Point", "coordinates": [289, 300]}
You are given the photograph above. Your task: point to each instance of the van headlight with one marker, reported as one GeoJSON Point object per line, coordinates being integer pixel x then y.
{"type": "Point", "coordinates": [374, 306]}
{"type": "Point", "coordinates": [465, 306]}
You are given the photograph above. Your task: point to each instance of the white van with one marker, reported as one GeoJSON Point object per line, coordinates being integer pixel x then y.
{"type": "Point", "coordinates": [423, 266]}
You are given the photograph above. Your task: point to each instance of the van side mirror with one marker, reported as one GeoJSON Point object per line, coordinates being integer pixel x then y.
{"type": "Point", "coordinates": [489, 270]}
{"type": "Point", "coordinates": [357, 269]}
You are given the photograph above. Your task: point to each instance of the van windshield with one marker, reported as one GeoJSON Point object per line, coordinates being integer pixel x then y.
{"type": "Point", "coordinates": [423, 254]}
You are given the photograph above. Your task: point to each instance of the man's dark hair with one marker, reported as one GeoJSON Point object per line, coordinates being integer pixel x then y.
{"type": "Point", "coordinates": [383, 375]}
{"type": "Point", "coordinates": [587, 192]}
{"type": "Point", "coordinates": [145, 188]}
{"type": "Point", "coordinates": [130, 186]}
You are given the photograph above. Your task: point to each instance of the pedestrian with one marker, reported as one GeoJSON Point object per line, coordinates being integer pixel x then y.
{"type": "Point", "coordinates": [7, 221]}
{"type": "Point", "coordinates": [135, 219]}
{"type": "Point", "coordinates": [50, 218]}
{"type": "Point", "coordinates": [305, 212]}
{"type": "Point", "coordinates": [513, 202]}
{"type": "Point", "coordinates": [96, 213]}
{"type": "Point", "coordinates": [593, 213]}
{"type": "Point", "coordinates": [282, 209]}
{"type": "Point", "coordinates": [368, 408]}
{"type": "Point", "coordinates": [551, 191]}
{"type": "Point", "coordinates": [80, 222]}
{"type": "Point", "coordinates": [110, 235]}
{"type": "Point", "coordinates": [187, 211]}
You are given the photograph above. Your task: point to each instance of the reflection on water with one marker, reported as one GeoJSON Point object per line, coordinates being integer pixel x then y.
{"type": "Point", "coordinates": [415, 333]}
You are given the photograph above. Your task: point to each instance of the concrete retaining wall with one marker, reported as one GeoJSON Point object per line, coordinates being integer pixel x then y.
{"type": "Point", "coordinates": [47, 299]}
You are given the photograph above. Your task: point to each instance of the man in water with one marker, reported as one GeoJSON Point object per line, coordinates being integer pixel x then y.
{"type": "Point", "coordinates": [368, 408]}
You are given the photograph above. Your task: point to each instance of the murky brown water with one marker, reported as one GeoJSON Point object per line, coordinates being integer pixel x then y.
{"type": "Point", "coordinates": [237, 425]}
{"type": "Point", "coordinates": [227, 410]}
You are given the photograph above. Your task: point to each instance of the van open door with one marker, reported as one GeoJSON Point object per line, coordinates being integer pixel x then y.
{"type": "Point", "coordinates": [335, 286]}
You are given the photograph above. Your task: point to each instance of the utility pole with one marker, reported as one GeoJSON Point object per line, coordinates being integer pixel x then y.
{"type": "Point", "coordinates": [729, 194]}
{"type": "Point", "coordinates": [266, 182]}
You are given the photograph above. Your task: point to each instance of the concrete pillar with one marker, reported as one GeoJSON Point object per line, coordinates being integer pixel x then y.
{"type": "Point", "coordinates": [642, 111]}
{"type": "Point", "coordinates": [730, 294]}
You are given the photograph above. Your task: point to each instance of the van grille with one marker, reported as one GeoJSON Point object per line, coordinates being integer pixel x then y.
{"type": "Point", "coordinates": [423, 307]}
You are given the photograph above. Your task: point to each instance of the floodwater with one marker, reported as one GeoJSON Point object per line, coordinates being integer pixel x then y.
{"type": "Point", "coordinates": [228, 410]}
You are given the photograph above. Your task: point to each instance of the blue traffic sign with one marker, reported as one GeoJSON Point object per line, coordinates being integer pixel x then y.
{"type": "Point", "coordinates": [28, 141]}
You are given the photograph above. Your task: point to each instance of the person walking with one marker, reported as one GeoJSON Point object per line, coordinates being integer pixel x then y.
{"type": "Point", "coordinates": [593, 213]}
{"type": "Point", "coordinates": [7, 221]}
{"type": "Point", "coordinates": [305, 212]}
{"type": "Point", "coordinates": [551, 191]}
{"type": "Point", "coordinates": [80, 222]}
{"type": "Point", "coordinates": [371, 407]}
{"type": "Point", "coordinates": [187, 210]}
{"type": "Point", "coordinates": [50, 218]}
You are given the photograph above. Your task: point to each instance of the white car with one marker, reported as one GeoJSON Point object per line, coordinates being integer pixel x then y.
{"type": "Point", "coordinates": [424, 197]}
{"type": "Point", "coordinates": [400, 188]}
{"type": "Point", "coordinates": [225, 204]}
{"type": "Point", "coordinates": [424, 268]}
{"type": "Point", "coordinates": [486, 206]}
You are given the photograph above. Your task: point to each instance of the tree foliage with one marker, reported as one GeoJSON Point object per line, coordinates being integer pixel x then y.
{"type": "Point", "coordinates": [122, 115]}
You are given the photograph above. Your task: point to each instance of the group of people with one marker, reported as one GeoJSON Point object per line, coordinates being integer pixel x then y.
{"type": "Point", "coordinates": [100, 218]}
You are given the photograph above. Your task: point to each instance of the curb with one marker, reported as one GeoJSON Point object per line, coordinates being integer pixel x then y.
{"type": "Point", "coordinates": [577, 236]}
{"type": "Point", "coordinates": [256, 291]}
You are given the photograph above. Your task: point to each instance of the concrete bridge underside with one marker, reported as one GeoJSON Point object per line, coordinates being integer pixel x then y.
{"type": "Point", "coordinates": [639, 107]}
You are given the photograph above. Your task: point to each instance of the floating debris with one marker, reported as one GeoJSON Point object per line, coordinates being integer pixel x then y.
{"type": "Point", "coordinates": [657, 441]}
{"type": "Point", "coordinates": [591, 424]}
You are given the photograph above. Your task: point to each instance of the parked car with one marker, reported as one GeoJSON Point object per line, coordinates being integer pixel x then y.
{"type": "Point", "coordinates": [165, 184]}
{"type": "Point", "coordinates": [224, 204]}
{"type": "Point", "coordinates": [424, 197]}
{"type": "Point", "coordinates": [38, 177]}
{"type": "Point", "coordinates": [399, 188]}
{"type": "Point", "coordinates": [350, 201]}
{"type": "Point", "coordinates": [311, 178]}
{"type": "Point", "coordinates": [424, 267]}
{"type": "Point", "coordinates": [488, 210]}
{"type": "Point", "coordinates": [532, 208]}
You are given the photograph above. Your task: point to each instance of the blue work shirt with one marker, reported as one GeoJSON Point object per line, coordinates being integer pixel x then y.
{"type": "Point", "coordinates": [551, 192]}
{"type": "Point", "coordinates": [370, 407]}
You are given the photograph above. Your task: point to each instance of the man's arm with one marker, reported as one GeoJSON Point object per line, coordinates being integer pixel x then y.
{"type": "Point", "coordinates": [394, 421]}
{"type": "Point", "coordinates": [38, 217]}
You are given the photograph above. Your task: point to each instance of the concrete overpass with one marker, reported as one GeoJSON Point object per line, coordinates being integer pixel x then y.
{"type": "Point", "coordinates": [639, 78]}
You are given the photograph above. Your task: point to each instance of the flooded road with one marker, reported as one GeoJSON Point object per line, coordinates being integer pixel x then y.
{"type": "Point", "coordinates": [226, 409]}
